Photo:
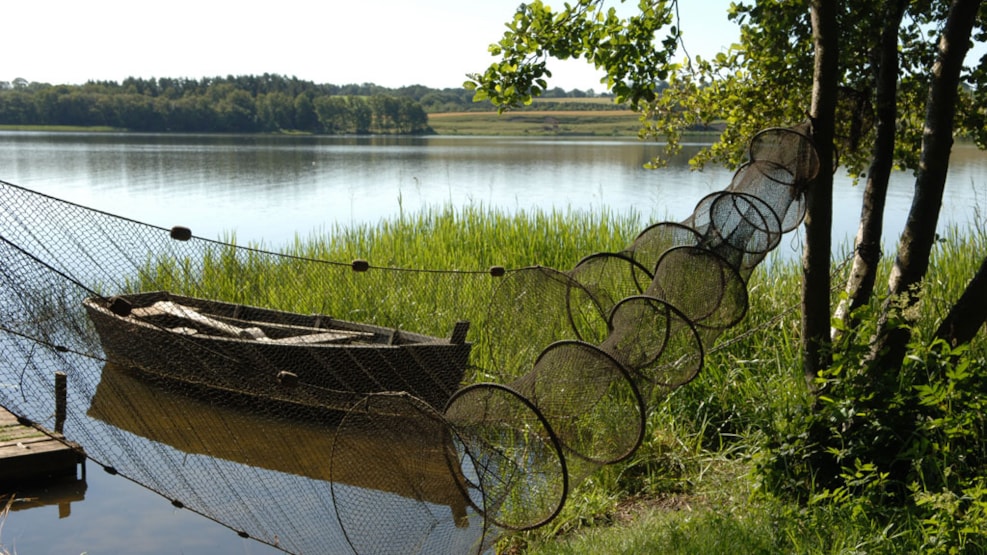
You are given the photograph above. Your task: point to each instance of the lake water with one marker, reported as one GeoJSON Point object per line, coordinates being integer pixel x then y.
{"type": "Point", "coordinates": [272, 189]}
{"type": "Point", "coordinates": [269, 189]}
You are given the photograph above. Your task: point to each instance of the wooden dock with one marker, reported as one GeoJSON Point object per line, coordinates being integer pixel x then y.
{"type": "Point", "coordinates": [30, 455]}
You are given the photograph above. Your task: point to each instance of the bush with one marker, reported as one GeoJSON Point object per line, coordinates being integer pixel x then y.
{"type": "Point", "coordinates": [886, 443]}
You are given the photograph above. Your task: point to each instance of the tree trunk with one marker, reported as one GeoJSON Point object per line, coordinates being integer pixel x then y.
{"type": "Point", "coordinates": [867, 247]}
{"type": "Point", "coordinates": [815, 340]}
{"type": "Point", "coordinates": [969, 313]}
{"type": "Point", "coordinates": [918, 237]}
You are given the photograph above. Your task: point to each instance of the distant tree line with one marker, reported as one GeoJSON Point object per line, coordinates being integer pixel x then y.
{"type": "Point", "coordinates": [237, 104]}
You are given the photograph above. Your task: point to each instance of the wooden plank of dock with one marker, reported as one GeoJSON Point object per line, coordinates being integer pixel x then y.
{"type": "Point", "coordinates": [28, 454]}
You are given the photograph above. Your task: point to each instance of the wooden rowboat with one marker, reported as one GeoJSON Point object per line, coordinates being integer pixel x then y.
{"type": "Point", "coordinates": [241, 350]}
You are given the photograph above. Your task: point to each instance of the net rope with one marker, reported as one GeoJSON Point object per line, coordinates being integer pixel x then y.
{"type": "Point", "coordinates": [324, 406]}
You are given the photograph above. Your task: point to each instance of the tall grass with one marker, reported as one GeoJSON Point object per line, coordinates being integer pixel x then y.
{"type": "Point", "coordinates": [4, 511]}
{"type": "Point", "coordinates": [475, 237]}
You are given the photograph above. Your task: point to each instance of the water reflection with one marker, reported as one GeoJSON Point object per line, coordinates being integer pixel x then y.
{"type": "Point", "coordinates": [280, 482]}
{"type": "Point", "coordinates": [60, 493]}
{"type": "Point", "coordinates": [198, 427]}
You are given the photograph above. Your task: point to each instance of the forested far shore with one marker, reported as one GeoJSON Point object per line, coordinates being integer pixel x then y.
{"type": "Point", "coordinates": [249, 104]}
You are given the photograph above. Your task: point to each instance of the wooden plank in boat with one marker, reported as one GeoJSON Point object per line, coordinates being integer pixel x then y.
{"type": "Point", "coordinates": [353, 334]}
{"type": "Point", "coordinates": [325, 337]}
{"type": "Point", "coordinates": [170, 308]}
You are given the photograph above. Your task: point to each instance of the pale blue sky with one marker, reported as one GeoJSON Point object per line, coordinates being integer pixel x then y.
{"type": "Point", "coordinates": [389, 42]}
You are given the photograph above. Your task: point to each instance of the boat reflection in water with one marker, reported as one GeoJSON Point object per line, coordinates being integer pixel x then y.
{"type": "Point", "coordinates": [375, 474]}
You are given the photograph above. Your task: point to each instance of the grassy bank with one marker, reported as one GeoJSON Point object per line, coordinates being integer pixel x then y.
{"type": "Point", "coordinates": [61, 128]}
{"type": "Point", "coordinates": [693, 486]}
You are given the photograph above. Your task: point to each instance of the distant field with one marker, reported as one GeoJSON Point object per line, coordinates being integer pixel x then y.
{"type": "Point", "coordinates": [575, 100]}
{"type": "Point", "coordinates": [554, 122]}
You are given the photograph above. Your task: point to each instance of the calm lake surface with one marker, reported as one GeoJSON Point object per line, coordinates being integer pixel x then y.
{"type": "Point", "coordinates": [271, 190]}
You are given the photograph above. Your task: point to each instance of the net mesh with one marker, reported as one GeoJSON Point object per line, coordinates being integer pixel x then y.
{"type": "Point", "coordinates": [325, 406]}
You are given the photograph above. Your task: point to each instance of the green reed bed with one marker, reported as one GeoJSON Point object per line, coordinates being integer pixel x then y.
{"type": "Point", "coordinates": [692, 486]}
{"type": "Point", "coordinates": [459, 247]}
{"type": "Point", "coordinates": [475, 238]}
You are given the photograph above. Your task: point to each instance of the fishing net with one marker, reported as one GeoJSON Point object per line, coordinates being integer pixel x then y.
{"type": "Point", "coordinates": [323, 406]}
